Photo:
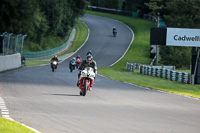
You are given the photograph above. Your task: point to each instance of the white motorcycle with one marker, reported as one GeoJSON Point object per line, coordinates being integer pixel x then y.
{"type": "Point", "coordinates": [86, 79]}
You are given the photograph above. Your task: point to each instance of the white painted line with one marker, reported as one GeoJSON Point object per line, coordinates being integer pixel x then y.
{"type": "Point", "coordinates": [5, 114]}
{"type": "Point", "coordinates": [4, 110]}
{"type": "Point", "coordinates": [3, 107]}
{"type": "Point", "coordinates": [128, 46]}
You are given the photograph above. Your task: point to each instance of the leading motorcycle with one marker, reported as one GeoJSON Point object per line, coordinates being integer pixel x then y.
{"type": "Point", "coordinates": [86, 80]}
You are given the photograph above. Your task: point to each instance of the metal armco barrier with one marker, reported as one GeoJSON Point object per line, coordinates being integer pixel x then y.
{"type": "Point", "coordinates": [161, 72]}
{"type": "Point", "coordinates": [47, 53]}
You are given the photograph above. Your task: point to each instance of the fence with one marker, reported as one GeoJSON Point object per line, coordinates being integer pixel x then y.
{"type": "Point", "coordinates": [166, 72]}
{"type": "Point", "coordinates": [154, 20]}
{"type": "Point", "coordinates": [114, 11]}
{"type": "Point", "coordinates": [47, 53]}
{"type": "Point", "coordinates": [11, 43]}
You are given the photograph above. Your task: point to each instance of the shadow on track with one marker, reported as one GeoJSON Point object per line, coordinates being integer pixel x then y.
{"type": "Point", "coordinates": [65, 95]}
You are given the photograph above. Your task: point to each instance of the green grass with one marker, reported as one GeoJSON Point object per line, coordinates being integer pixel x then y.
{"type": "Point", "coordinates": [35, 62]}
{"type": "Point", "coordinates": [152, 82]}
{"type": "Point", "coordinates": [81, 35]}
{"type": "Point", "coordinates": [7, 126]}
{"type": "Point", "coordinates": [139, 53]}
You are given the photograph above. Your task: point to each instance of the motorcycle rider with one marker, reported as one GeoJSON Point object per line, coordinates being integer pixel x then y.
{"type": "Point", "coordinates": [72, 60]}
{"type": "Point", "coordinates": [78, 60]}
{"type": "Point", "coordinates": [114, 29]}
{"type": "Point", "coordinates": [89, 62]}
{"type": "Point", "coordinates": [54, 59]}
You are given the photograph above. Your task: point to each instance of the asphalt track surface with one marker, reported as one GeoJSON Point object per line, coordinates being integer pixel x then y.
{"type": "Point", "coordinates": [50, 101]}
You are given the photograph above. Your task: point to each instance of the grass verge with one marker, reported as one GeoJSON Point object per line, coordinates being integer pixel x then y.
{"type": "Point", "coordinates": [8, 126]}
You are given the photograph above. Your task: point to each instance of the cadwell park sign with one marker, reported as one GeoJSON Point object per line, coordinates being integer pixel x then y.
{"type": "Point", "coordinates": [183, 37]}
{"type": "Point", "coordinates": [175, 37]}
{"type": "Point", "coordinates": [180, 37]}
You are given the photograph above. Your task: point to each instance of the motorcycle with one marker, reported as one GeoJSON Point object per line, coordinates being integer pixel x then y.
{"type": "Point", "coordinates": [114, 33]}
{"type": "Point", "coordinates": [78, 62]}
{"type": "Point", "coordinates": [72, 65]}
{"type": "Point", "coordinates": [54, 65]}
{"type": "Point", "coordinates": [86, 79]}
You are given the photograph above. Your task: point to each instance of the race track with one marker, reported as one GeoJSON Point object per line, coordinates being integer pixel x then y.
{"type": "Point", "coordinates": [50, 101]}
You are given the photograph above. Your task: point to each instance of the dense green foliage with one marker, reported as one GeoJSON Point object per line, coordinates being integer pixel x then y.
{"type": "Point", "coordinates": [113, 4]}
{"type": "Point", "coordinates": [44, 21]}
{"type": "Point", "coordinates": [126, 5]}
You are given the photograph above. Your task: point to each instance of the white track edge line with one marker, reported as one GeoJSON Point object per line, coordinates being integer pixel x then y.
{"type": "Point", "coordinates": [5, 114]}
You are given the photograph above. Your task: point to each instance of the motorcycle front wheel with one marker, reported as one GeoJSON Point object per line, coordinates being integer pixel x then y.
{"type": "Point", "coordinates": [85, 87]}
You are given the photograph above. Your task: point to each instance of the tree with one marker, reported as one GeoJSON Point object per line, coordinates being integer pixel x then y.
{"type": "Point", "coordinates": [183, 14]}
{"type": "Point", "coordinates": [16, 16]}
{"type": "Point", "coordinates": [134, 5]}
{"type": "Point", "coordinates": [112, 4]}
{"type": "Point", "coordinates": [180, 14]}
{"type": "Point", "coordinates": [156, 6]}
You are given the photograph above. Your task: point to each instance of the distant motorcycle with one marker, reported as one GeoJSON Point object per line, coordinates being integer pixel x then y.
{"type": "Point", "coordinates": [54, 65]}
{"type": "Point", "coordinates": [86, 77]}
{"type": "Point", "coordinates": [114, 33]}
{"type": "Point", "coordinates": [72, 65]}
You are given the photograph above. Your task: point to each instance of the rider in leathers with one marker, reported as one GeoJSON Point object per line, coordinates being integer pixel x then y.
{"type": "Point", "coordinates": [54, 59]}
{"type": "Point", "coordinates": [89, 62]}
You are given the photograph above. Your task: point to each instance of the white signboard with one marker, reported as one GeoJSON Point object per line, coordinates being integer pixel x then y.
{"type": "Point", "coordinates": [183, 37]}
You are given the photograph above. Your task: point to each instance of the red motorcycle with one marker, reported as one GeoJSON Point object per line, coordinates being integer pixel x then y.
{"type": "Point", "coordinates": [86, 80]}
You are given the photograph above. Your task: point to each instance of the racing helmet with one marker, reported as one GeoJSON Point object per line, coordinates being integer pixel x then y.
{"type": "Point", "coordinates": [55, 56]}
{"type": "Point", "coordinates": [89, 58]}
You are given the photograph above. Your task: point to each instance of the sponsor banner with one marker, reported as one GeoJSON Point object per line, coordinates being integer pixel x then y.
{"type": "Point", "coordinates": [183, 37]}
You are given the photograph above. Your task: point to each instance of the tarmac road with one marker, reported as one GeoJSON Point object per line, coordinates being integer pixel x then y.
{"type": "Point", "coordinates": [50, 101]}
